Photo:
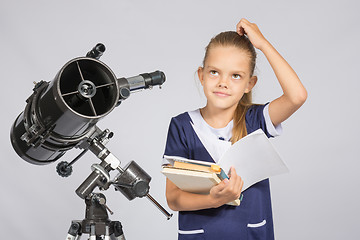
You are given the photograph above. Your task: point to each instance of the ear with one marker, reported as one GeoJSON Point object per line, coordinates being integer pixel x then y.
{"type": "Point", "coordinates": [200, 73]}
{"type": "Point", "coordinates": [251, 84]}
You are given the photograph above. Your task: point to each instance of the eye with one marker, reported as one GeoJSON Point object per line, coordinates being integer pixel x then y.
{"type": "Point", "coordinates": [236, 76]}
{"type": "Point", "coordinates": [214, 73]}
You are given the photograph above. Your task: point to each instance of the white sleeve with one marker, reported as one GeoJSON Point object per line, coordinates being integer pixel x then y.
{"type": "Point", "coordinates": [273, 130]}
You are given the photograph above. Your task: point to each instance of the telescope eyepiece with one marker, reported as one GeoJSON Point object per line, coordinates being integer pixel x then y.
{"type": "Point", "coordinates": [153, 78]}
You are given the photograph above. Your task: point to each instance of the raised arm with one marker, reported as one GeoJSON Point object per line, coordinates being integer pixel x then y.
{"type": "Point", "coordinates": [224, 192]}
{"type": "Point", "coordinates": [294, 93]}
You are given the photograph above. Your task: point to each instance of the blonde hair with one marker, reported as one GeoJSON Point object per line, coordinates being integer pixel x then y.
{"type": "Point", "coordinates": [233, 39]}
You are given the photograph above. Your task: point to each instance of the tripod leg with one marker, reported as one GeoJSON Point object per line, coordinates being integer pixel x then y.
{"type": "Point", "coordinates": [107, 233]}
{"type": "Point", "coordinates": [118, 232]}
{"type": "Point", "coordinates": [92, 233]}
{"type": "Point", "coordinates": [74, 232]}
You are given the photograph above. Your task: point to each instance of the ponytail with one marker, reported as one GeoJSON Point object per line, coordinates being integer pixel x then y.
{"type": "Point", "coordinates": [239, 129]}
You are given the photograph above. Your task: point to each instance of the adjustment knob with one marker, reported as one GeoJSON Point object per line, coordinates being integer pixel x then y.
{"type": "Point", "coordinates": [64, 169]}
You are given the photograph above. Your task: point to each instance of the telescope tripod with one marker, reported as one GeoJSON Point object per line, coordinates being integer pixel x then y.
{"type": "Point", "coordinates": [96, 223]}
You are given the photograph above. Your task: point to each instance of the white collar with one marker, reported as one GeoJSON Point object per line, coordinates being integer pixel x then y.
{"type": "Point", "coordinates": [210, 137]}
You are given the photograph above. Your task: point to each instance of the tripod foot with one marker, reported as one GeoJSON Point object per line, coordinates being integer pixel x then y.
{"type": "Point", "coordinates": [74, 232]}
{"type": "Point", "coordinates": [118, 232]}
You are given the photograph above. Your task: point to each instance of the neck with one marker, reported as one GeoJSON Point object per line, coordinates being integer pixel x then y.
{"type": "Point", "coordinates": [217, 118]}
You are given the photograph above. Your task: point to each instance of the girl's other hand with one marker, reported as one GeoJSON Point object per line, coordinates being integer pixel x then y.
{"type": "Point", "coordinates": [252, 31]}
{"type": "Point", "coordinates": [228, 190]}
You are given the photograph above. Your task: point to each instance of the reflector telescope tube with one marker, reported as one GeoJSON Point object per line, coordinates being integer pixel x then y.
{"type": "Point", "coordinates": [61, 113]}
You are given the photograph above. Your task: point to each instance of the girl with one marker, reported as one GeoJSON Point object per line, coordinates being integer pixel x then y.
{"type": "Point", "coordinates": [227, 79]}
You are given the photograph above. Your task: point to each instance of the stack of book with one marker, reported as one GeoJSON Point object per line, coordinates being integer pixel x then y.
{"type": "Point", "coordinates": [194, 176]}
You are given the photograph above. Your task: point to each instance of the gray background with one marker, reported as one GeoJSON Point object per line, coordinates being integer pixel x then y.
{"type": "Point", "coordinates": [318, 199]}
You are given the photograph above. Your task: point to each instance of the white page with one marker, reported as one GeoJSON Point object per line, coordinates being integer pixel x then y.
{"type": "Point", "coordinates": [172, 159]}
{"type": "Point", "coordinates": [254, 159]}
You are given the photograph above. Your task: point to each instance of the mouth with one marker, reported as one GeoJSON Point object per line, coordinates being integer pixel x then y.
{"type": "Point", "coordinates": [221, 94]}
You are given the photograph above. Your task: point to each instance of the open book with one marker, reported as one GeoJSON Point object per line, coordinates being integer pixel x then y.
{"type": "Point", "coordinates": [253, 157]}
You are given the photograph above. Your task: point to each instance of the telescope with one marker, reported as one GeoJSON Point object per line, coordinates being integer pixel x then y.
{"type": "Point", "coordinates": [62, 114]}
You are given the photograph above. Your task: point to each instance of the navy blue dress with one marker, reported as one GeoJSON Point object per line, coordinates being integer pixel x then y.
{"type": "Point", "coordinates": [252, 219]}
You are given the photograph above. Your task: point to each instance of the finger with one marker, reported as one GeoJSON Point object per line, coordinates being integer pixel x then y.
{"type": "Point", "coordinates": [237, 26]}
{"type": "Point", "coordinates": [240, 29]}
{"type": "Point", "coordinates": [235, 184]}
{"type": "Point", "coordinates": [233, 189]}
{"type": "Point", "coordinates": [245, 21]}
{"type": "Point", "coordinates": [241, 185]}
{"type": "Point", "coordinates": [232, 172]}
{"type": "Point", "coordinates": [238, 184]}
{"type": "Point", "coordinates": [243, 27]}
{"type": "Point", "coordinates": [222, 185]}
{"type": "Point", "coordinates": [235, 179]}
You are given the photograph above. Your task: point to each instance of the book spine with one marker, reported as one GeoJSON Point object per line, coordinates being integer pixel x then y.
{"type": "Point", "coordinates": [222, 175]}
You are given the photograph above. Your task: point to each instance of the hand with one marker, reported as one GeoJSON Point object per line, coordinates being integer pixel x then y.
{"type": "Point", "coordinates": [253, 33]}
{"type": "Point", "coordinates": [228, 190]}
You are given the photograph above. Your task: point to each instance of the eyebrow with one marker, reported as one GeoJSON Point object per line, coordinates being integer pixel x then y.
{"type": "Point", "coordinates": [236, 71]}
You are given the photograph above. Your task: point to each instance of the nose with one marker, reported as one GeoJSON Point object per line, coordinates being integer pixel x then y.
{"type": "Point", "coordinates": [223, 83]}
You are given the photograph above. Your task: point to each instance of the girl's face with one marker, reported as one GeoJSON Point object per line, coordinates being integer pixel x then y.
{"type": "Point", "coordinates": [226, 76]}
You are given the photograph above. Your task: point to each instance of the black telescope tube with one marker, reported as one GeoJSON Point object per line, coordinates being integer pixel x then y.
{"type": "Point", "coordinates": [56, 119]}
